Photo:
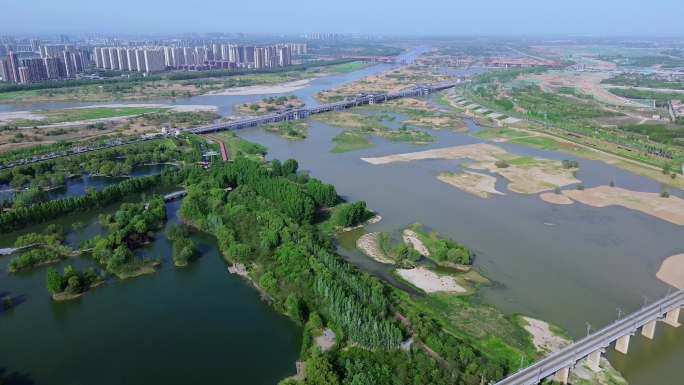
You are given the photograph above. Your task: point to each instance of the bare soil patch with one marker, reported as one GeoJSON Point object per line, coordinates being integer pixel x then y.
{"type": "Point", "coordinates": [478, 184]}
{"type": "Point", "coordinates": [557, 199]}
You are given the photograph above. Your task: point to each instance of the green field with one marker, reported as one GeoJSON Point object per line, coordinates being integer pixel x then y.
{"type": "Point", "coordinates": [78, 114]}
{"type": "Point", "coordinates": [348, 67]}
{"type": "Point", "coordinates": [237, 146]}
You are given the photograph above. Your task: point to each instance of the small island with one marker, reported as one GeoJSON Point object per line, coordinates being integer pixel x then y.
{"type": "Point", "coordinates": [71, 284]}
{"type": "Point", "coordinates": [271, 105]}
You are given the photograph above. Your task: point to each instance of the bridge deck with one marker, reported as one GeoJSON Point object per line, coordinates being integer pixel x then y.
{"type": "Point", "coordinates": [569, 356]}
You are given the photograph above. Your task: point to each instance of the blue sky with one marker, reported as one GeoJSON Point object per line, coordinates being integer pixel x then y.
{"type": "Point", "coordinates": [445, 17]}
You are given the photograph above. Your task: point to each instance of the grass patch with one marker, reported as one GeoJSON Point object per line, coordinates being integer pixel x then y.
{"type": "Point", "coordinates": [408, 135]}
{"type": "Point", "coordinates": [540, 142]}
{"type": "Point", "coordinates": [296, 130]}
{"type": "Point", "coordinates": [500, 133]}
{"type": "Point", "coordinates": [351, 141]}
{"type": "Point", "coordinates": [237, 146]}
{"type": "Point", "coordinates": [346, 68]}
{"type": "Point", "coordinates": [500, 336]}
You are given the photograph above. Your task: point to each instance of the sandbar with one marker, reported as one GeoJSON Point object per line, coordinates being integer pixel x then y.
{"type": "Point", "coordinates": [480, 152]}
{"type": "Point", "coordinates": [670, 209]}
{"type": "Point", "coordinates": [411, 238]}
{"type": "Point", "coordinates": [369, 244]}
{"type": "Point", "coordinates": [540, 175]}
{"type": "Point", "coordinates": [263, 89]}
{"type": "Point", "coordinates": [429, 281]}
{"type": "Point", "coordinates": [556, 199]}
{"type": "Point", "coordinates": [482, 185]}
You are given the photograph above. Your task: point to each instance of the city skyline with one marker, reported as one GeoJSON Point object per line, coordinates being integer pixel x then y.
{"type": "Point", "coordinates": [431, 17]}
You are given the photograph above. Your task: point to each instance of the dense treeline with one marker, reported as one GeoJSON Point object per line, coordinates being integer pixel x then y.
{"type": "Point", "coordinates": [41, 212]}
{"type": "Point", "coordinates": [260, 216]}
{"type": "Point", "coordinates": [71, 282]}
{"type": "Point", "coordinates": [351, 214]}
{"type": "Point", "coordinates": [42, 248]}
{"type": "Point", "coordinates": [116, 161]}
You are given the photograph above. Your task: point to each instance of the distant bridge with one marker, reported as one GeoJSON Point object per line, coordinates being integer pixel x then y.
{"type": "Point", "coordinates": [294, 114]}
{"type": "Point", "coordinates": [302, 113]}
{"type": "Point", "coordinates": [558, 365]}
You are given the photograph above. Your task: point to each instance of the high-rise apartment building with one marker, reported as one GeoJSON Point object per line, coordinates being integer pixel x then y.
{"type": "Point", "coordinates": [13, 67]}
{"type": "Point", "coordinates": [97, 56]}
{"type": "Point", "coordinates": [122, 58]}
{"type": "Point", "coordinates": [284, 57]}
{"type": "Point", "coordinates": [55, 68]}
{"type": "Point", "coordinates": [178, 57]}
{"type": "Point", "coordinates": [154, 60]}
{"type": "Point", "coordinates": [140, 60]}
{"type": "Point", "coordinates": [113, 58]}
{"type": "Point", "coordinates": [35, 70]}
{"type": "Point", "coordinates": [106, 64]}
{"type": "Point", "coordinates": [259, 57]}
{"type": "Point", "coordinates": [4, 71]}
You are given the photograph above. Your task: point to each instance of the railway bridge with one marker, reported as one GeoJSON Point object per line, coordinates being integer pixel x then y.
{"type": "Point", "coordinates": [557, 366]}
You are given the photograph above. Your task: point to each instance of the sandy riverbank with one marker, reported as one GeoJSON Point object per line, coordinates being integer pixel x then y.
{"type": "Point", "coordinates": [411, 238]}
{"type": "Point", "coordinates": [430, 282]}
{"type": "Point", "coordinates": [481, 185]}
{"type": "Point", "coordinates": [546, 341]}
{"type": "Point", "coordinates": [369, 244]}
{"type": "Point", "coordinates": [672, 271]}
{"type": "Point", "coordinates": [543, 338]}
{"type": "Point", "coordinates": [669, 209]}
{"type": "Point", "coordinates": [556, 199]}
{"type": "Point", "coordinates": [281, 88]}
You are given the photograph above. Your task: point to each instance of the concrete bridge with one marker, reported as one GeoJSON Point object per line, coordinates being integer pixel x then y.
{"type": "Point", "coordinates": [302, 113]}
{"type": "Point", "coordinates": [557, 366]}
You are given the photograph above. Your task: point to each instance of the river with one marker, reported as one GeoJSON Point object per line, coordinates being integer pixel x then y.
{"type": "Point", "coordinates": [570, 265]}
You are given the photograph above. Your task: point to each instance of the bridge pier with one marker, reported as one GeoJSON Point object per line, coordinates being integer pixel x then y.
{"type": "Point", "coordinates": [594, 361]}
{"type": "Point", "coordinates": [672, 318]}
{"type": "Point", "coordinates": [562, 376]}
{"type": "Point", "coordinates": [648, 330]}
{"type": "Point", "coordinates": [622, 344]}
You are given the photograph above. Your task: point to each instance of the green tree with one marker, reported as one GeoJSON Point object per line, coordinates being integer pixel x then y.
{"type": "Point", "coordinates": [319, 371]}
{"type": "Point", "coordinates": [54, 281]}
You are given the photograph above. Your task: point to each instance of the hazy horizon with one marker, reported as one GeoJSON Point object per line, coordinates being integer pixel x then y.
{"type": "Point", "coordinates": [428, 17]}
